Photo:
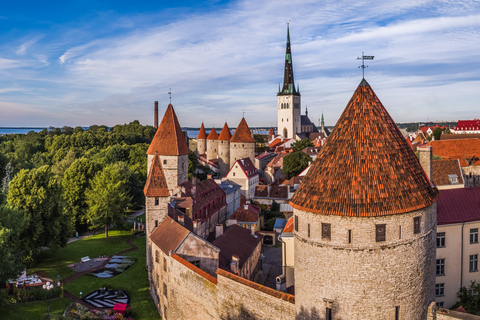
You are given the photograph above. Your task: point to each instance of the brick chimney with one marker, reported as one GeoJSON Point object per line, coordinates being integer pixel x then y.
{"type": "Point", "coordinates": [234, 264]}
{"type": "Point", "coordinates": [218, 230]}
{"type": "Point", "coordinates": [155, 116]}
{"type": "Point", "coordinates": [426, 160]}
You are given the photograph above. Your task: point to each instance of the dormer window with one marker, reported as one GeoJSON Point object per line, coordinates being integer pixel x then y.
{"type": "Point", "coordinates": [453, 178]}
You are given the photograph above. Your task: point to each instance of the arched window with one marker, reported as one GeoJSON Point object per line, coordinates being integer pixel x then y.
{"type": "Point", "coordinates": [285, 132]}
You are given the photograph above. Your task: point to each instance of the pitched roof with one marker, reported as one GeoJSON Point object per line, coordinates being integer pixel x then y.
{"type": "Point", "coordinates": [169, 139]}
{"type": "Point", "coordinates": [261, 191]}
{"type": "Point", "coordinates": [202, 134]}
{"type": "Point", "coordinates": [235, 241]}
{"type": "Point", "coordinates": [247, 167]}
{"type": "Point", "coordinates": [213, 135]}
{"type": "Point", "coordinates": [465, 125]}
{"type": "Point", "coordinates": [244, 214]}
{"type": "Point", "coordinates": [271, 131]}
{"type": "Point", "coordinates": [168, 235]}
{"type": "Point", "coordinates": [366, 168]}
{"type": "Point", "coordinates": [242, 133]}
{"type": "Point", "coordinates": [460, 136]}
{"type": "Point", "coordinates": [458, 205]}
{"type": "Point", "coordinates": [156, 185]}
{"type": "Point", "coordinates": [208, 194]}
{"type": "Point", "coordinates": [288, 81]}
{"type": "Point", "coordinates": [225, 134]}
{"type": "Point", "coordinates": [465, 150]}
{"type": "Point", "coordinates": [442, 168]}
{"type": "Point", "coordinates": [279, 192]}
{"type": "Point", "coordinates": [289, 226]}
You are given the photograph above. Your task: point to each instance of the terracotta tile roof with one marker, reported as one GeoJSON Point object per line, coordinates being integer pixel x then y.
{"type": "Point", "coordinates": [366, 168]}
{"type": "Point", "coordinates": [202, 134]}
{"type": "Point", "coordinates": [277, 162]}
{"type": "Point", "coordinates": [311, 151]}
{"type": "Point", "coordinates": [244, 215]}
{"type": "Point", "coordinates": [442, 168]}
{"type": "Point", "coordinates": [213, 135]}
{"type": "Point", "coordinates": [247, 166]}
{"type": "Point", "coordinates": [465, 125]}
{"type": "Point", "coordinates": [156, 185]}
{"type": "Point", "coordinates": [289, 226]}
{"type": "Point", "coordinates": [169, 139]}
{"type": "Point", "coordinates": [168, 235]}
{"type": "Point", "coordinates": [208, 195]}
{"type": "Point", "coordinates": [242, 133]}
{"type": "Point", "coordinates": [458, 205]}
{"type": "Point", "coordinates": [279, 192]}
{"type": "Point", "coordinates": [225, 134]}
{"type": "Point", "coordinates": [420, 138]}
{"type": "Point", "coordinates": [261, 191]}
{"type": "Point", "coordinates": [460, 136]}
{"type": "Point", "coordinates": [235, 241]}
{"type": "Point", "coordinates": [278, 294]}
{"type": "Point", "coordinates": [270, 132]}
{"type": "Point", "coordinates": [197, 270]}
{"type": "Point", "coordinates": [464, 150]}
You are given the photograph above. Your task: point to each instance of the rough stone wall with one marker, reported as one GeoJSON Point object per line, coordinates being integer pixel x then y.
{"type": "Point", "coordinates": [201, 146]}
{"type": "Point", "coordinates": [223, 157]}
{"type": "Point", "coordinates": [365, 279]}
{"type": "Point", "coordinates": [426, 160]}
{"type": "Point", "coordinates": [175, 169]}
{"type": "Point", "coordinates": [195, 249]}
{"type": "Point", "coordinates": [154, 216]}
{"type": "Point", "coordinates": [239, 150]}
{"type": "Point", "coordinates": [212, 149]}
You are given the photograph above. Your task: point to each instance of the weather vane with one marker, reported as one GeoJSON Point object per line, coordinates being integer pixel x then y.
{"type": "Point", "coordinates": [170, 94]}
{"type": "Point", "coordinates": [244, 113]}
{"type": "Point", "coordinates": [363, 66]}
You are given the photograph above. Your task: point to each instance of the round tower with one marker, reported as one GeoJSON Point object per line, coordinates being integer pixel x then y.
{"type": "Point", "coordinates": [365, 222]}
{"type": "Point", "coordinates": [224, 150]}
{"type": "Point", "coordinates": [242, 144]}
{"type": "Point", "coordinates": [212, 144]}
{"type": "Point", "coordinates": [202, 140]}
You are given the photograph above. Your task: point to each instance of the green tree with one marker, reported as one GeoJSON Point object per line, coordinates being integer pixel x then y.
{"type": "Point", "coordinates": [437, 133]}
{"type": "Point", "coordinates": [469, 298]}
{"type": "Point", "coordinates": [12, 225]}
{"type": "Point", "coordinates": [192, 164]}
{"type": "Point", "coordinates": [107, 197]}
{"type": "Point", "coordinates": [302, 144]}
{"type": "Point", "coordinates": [295, 163]}
{"type": "Point", "coordinates": [8, 177]}
{"type": "Point", "coordinates": [37, 193]}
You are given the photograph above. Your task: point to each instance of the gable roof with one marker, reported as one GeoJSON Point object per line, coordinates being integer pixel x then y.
{"type": "Point", "coordinates": [169, 139]}
{"type": "Point", "coordinates": [156, 185]}
{"type": "Point", "coordinates": [442, 168]}
{"type": "Point", "coordinates": [225, 134]}
{"type": "Point", "coordinates": [271, 132]}
{"type": "Point", "coordinates": [202, 134]}
{"type": "Point", "coordinates": [213, 135]}
{"type": "Point", "coordinates": [242, 133]}
{"type": "Point", "coordinates": [464, 150]}
{"type": "Point", "coordinates": [169, 235]}
{"type": "Point", "coordinates": [244, 214]}
{"type": "Point", "coordinates": [366, 168]}
{"type": "Point", "coordinates": [208, 194]}
{"type": "Point", "coordinates": [457, 136]}
{"type": "Point", "coordinates": [289, 226]}
{"type": "Point", "coordinates": [458, 205]}
{"type": "Point", "coordinates": [466, 125]}
{"type": "Point", "coordinates": [247, 167]}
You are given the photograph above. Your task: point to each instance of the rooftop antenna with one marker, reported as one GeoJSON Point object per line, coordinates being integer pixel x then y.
{"type": "Point", "coordinates": [363, 66]}
{"type": "Point", "coordinates": [170, 94]}
{"type": "Point", "coordinates": [244, 113]}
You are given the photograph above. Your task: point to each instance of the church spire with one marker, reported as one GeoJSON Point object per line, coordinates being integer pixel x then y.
{"type": "Point", "coordinates": [288, 81]}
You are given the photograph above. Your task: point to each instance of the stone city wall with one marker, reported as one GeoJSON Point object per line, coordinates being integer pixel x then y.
{"type": "Point", "coordinates": [239, 150]}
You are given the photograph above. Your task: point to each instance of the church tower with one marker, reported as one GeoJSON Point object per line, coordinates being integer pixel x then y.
{"type": "Point", "coordinates": [365, 222]}
{"type": "Point", "coordinates": [288, 100]}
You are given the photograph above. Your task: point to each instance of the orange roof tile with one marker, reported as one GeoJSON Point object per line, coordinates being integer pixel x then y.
{"type": "Point", "coordinates": [242, 133]}
{"type": "Point", "coordinates": [169, 139]}
{"type": "Point", "coordinates": [156, 185]}
{"type": "Point", "coordinates": [289, 226]}
{"type": "Point", "coordinates": [225, 134]}
{"type": "Point", "coordinates": [465, 150]}
{"type": "Point", "coordinates": [271, 131]}
{"type": "Point", "coordinates": [202, 134]}
{"type": "Point", "coordinates": [169, 235]}
{"type": "Point", "coordinates": [442, 168]}
{"type": "Point", "coordinates": [213, 135]}
{"type": "Point", "coordinates": [366, 168]}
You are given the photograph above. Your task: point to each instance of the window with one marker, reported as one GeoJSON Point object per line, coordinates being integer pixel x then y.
{"type": "Point", "coordinates": [399, 232]}
{"type": "Point", "coordinates": [380, 232]}
{"type": "Point", "coordinates": [296, 223]}
{"type": "Point", "coordinates": [349, 236]}
{"type": "Point", "coordinates": [157, 201]}
{"type": "Point", "coordinates": [157, 257]}
{"type": "Point", "coordinates": [441, 240]}
{"type": "Point", "coordinates": [328, 314]}
{"type": "Point", "coordinates": [439, 304]}
{"type": "Point", "coordinates": [165, 289]}
{"type": "Point", "coordinates": [416, 225]}
{"type": "Point", "coordinates": [309, 230]}
{"type": "Point", "coordinates": [397, 313]}
{"type": "Point", "coordinates": [165, 312]}
{"type": "Point", "coordinates": [439, 289]}
{"type": "Point", "coordinates": [164, 264]}
{"type": "Point", "coordinates": [164, 161]}
{"type": "Point", "coordinates": [156, 223]}
{"type": "Point", "coordinates": [440, 267]}
{"type": "Point", "coordinates": [233, 174]}
{"type": "Point", "coordinates": [326, 228]}
{"type": "Point", "coordinates": [473, 262]}
{"type": "Point", "coordinates": [474, 235]}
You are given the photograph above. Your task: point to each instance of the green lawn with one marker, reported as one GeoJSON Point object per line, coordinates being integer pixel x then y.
{"type": "Point", "coordinates": [56, 263]}
{"type": "Point", "coordinates": [34, 310]}
{"type": "Point", "coordinates": [134, 281]}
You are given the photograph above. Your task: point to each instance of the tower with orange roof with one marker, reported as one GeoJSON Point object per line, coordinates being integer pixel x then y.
{"type": "Point", "coordinates": [202, 141]}
{"type": "Point", "coordinates": [224, 150]}
{"type": "Point", "coordinates": [212, 144]}
{"type": "Point", "coordinates": [242, 144]}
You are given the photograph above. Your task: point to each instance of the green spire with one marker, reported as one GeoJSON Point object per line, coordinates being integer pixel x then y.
{"type": "Point", "coordinates": [288, 81]}
{"type": "Point", "coordinates": [323, 122]}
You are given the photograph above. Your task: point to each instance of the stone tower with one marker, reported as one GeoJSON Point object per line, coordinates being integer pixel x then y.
{"type": "Point", "coordinates": [224, 150]}
{"type": "Point", "coordinates": [171, 146]}
{"type": "Point", "coordinates": [212, 144]}
{"type": "Point", "coordinates": [365, 222]}
{"type": "Point", "coordinates": [288, 100]}
{"type": "Point", "coordinates": [202, 141]}
{"type": "Point", "coordinates": [242, 144]}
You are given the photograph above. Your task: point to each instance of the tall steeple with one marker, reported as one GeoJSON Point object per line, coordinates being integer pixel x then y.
{"type": "Point", "coordinates": [288, 81]}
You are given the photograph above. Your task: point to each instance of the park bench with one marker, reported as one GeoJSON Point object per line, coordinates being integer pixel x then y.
{"type": "Point", "coordinates": [85, 259]}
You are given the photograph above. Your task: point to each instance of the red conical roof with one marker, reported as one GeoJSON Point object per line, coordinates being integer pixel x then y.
{"type": "Point", "coordinates": [242, 133]}
{"type": "Point", "coordinates": [156, 185]}
{"type": "Point", "coordinates": [202, 134]}
{"type": "Point", "coordinates": [213, 135]}
{"type": "Point", "coordinates": [271, 132]}
{"type": "Point", "coordinates": [225, 134]}
{"type": "Point", "coordinates": [366, 168]}
{"type": "Point", "coordinates": [169, 139]}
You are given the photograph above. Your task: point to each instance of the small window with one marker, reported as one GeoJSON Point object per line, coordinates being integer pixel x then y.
{"type": "Point", "coordinates": [165, 312]}
{"type": "Point", "coordinates": [157, 201]}
{"type": "Point", "coordinates": [439, 304]}
{"type": "Point", "coordinates": [233, 174]}
{"type": "Point", "coordinates": [296, 223]}
{"type": "Point", "coordinates": [326, 228]}
{"type": "Point", "coordinates": [380, 232]}
{"type": "Point", "coordinates": [397, 313]}
{"type": "Point", "coordinates": [474, 263]}
{"type": "Point", "coordinates": [164, 264]}
{"type": "Point", "coordinates": [164, 161]}
{"type": "Point", "coordinates": [474, 235]}
{"type": "Point", "coordinates": [156, 223]}
{"type": "Point", "coordinates": [165, 291]}
{"type": "Point", "coordinates": [440, 267]}
{"type": "Point", "coordinates": [399, 232]}
{"type": "Point", "coordinates": [157, 256]}
{"type": "Point", "coordinates": [416, 225]}
{"type": "Point", "coordinates": [439, 289]}
{"type": "Point", "coordinates": [441, 240]}
{"type": "Point", "coordinates": [309, 230]}
{"type": "Point", "coordinates": [349, 236]}
{"type": "Point", "coordinates": [328, 314]}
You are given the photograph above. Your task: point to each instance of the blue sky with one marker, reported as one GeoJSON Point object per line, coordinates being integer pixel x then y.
{"type": "Point", "coordinates": [105, 62]}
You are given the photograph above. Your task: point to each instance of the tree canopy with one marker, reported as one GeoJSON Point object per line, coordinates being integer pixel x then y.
{"type": "Point", "coordinates": [295, 163]}
{"type": "Point", "coordinates": [302, 144]}
{"type": "Point", "coordinates": [437, 133]}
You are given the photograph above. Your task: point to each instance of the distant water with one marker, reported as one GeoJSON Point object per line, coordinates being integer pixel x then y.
{"type": "Point", "coordinates": [20, 130]}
